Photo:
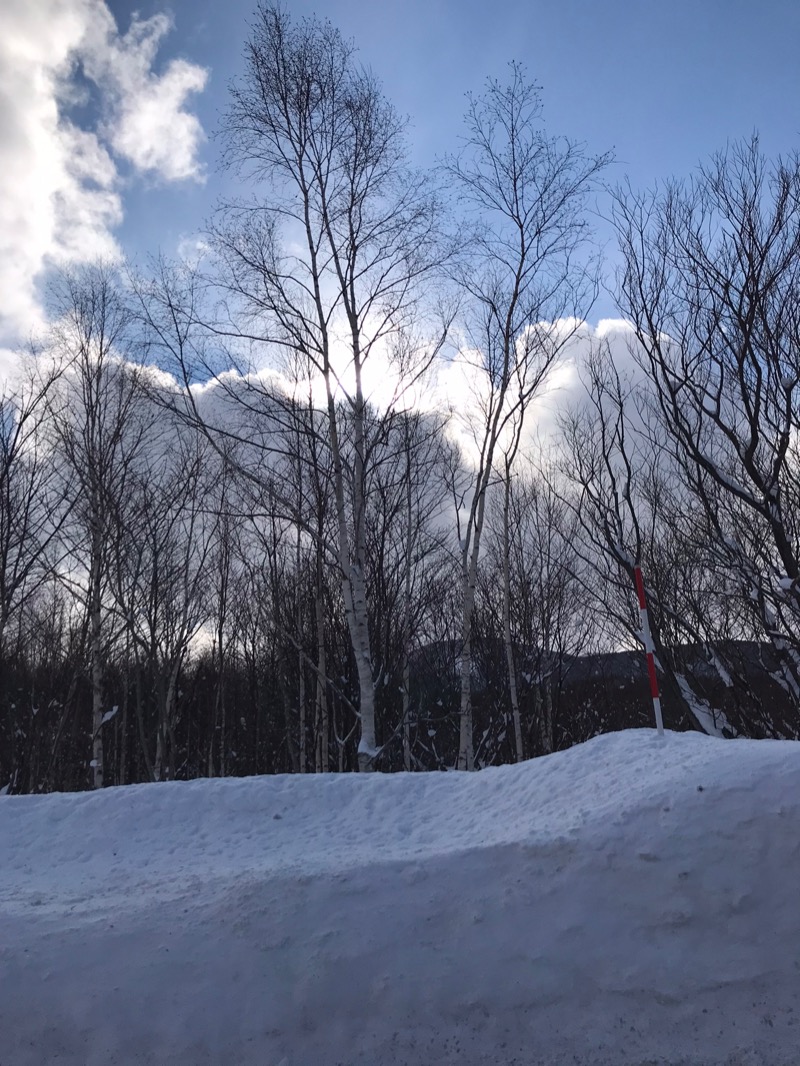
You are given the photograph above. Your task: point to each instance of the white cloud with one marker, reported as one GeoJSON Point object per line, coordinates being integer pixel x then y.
{"type": "Point", "coordinates": [60, 198]}
{"type": "Point", "coordinates": [85, 205]}
{"type": "Point", "coordinates": [611, 326]}
{"type": "Point", "coordinates": [146, 122]}
{"type": "Point", "coordinates": [192, 248]}
{"type": "Point", "coordinates": [460, 385]}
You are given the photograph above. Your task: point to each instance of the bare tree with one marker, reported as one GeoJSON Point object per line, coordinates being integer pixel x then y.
{"type": "Point", "coordinates": [326, 262]}
{"type": "Point", "coordinates": [711, 281]}
{"type": "Point", "coordinates": [631, 504]}
{"type": "Point", "coordinates": [525, 288]}
{"type": "Point", "coordinates": [33, 498]}
{"type": "Point", "coordinates": [100, 425]}
{"type": "Point", "coordinates": [163, 538]}
{"type": "Point", "coordinates": [406, 538]}
{"type": "Point", "coordinates": [535, 572]}
{"type": "Point", "coordinates": [226, 523]}
{"type": "Point", "coordinates": [34, 503]}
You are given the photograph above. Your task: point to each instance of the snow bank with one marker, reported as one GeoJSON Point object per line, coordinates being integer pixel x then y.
{"type": "Point", "coordinates": [627, 901]}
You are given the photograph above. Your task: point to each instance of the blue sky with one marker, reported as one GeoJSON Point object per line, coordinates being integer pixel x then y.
{"type": "Point", "coordinates": [663, 84]}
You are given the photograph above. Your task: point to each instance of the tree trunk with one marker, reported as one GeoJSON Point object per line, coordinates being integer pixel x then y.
{"type": "Point", "coordinates": [406, 709]}
{"type": "Point", "coordinates": [322, 751]}
{"type": "Point", "coordinates": [547, 720]}
{"type": "Point", "coordinates": [151, 773]}
{"type": "Point", "coordinates": [466, 756]}
{"type": "Point", "coordinates": [123, 755]}
{"type": "Point", "coordinates": [353, 584]}
{"type": "Point", "coordinates": [301, 696]}
{"type": "Point", "coordinates": [512, 668]}
{"type": "Point", "coordinates": [96, 667]}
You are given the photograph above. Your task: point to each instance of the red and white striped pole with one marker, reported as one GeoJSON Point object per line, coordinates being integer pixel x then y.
{"type": "Point", "coordinates": [644, 622]}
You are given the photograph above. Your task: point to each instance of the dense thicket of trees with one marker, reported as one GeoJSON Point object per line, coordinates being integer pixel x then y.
{"type": "Point", "coordinates": [228, 547]}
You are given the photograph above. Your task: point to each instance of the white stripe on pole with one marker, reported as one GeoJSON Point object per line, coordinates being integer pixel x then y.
{"type": "Point", "coordinates": [644, 622]}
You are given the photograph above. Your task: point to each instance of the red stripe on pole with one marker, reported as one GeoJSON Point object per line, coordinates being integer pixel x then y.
{"type": "Point", "coordinates": [648, 647]}
{"type": "Point", "coordinates": [651, 669]}
{"type": "Point", "coordinates": [637, 573]}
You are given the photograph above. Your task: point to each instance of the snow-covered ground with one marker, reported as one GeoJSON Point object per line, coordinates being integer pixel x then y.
{"type": "Point", "coordinates": [628, 901]}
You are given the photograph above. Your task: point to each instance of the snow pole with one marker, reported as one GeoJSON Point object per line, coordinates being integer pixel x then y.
{"type": "Point", "coordinates": [644, 621]}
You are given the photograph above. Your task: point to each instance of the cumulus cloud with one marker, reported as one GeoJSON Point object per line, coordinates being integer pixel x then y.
{"type": "Point", "coordinates": [456, 385]}
{"type": "Point", "coordinates": [459, 385]}
{"type": "Point", "coordinates": [147, 123]}
{"type": "Point", "coordinates": [60, 190]}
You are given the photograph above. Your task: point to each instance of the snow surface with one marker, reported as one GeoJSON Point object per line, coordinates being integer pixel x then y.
{"type": "Point", "coordinates": [628, 901]}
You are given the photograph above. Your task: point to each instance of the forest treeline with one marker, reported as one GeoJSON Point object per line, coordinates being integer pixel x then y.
{"type": "Point", "coordinates": [239, 533]}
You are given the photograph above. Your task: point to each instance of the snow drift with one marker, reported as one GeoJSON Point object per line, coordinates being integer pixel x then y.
{"type": "Point", "coordinates": [627, 901]}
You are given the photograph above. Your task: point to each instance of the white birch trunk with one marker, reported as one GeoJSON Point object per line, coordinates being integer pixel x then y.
{"type": "Point", "coordinates": [355, 604]}
{"type": "Point", "coordinates": [367, 745]}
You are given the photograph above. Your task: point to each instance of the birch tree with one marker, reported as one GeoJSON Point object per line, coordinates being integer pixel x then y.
{"type": "Point", "coordinates": [525, 287]}
{"type": "Point", "coordinates": [100, 424]}
{"type": "Point", "coordinates": [327, 263]}
{"type": "Point", "coordinates": [328, 258]}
